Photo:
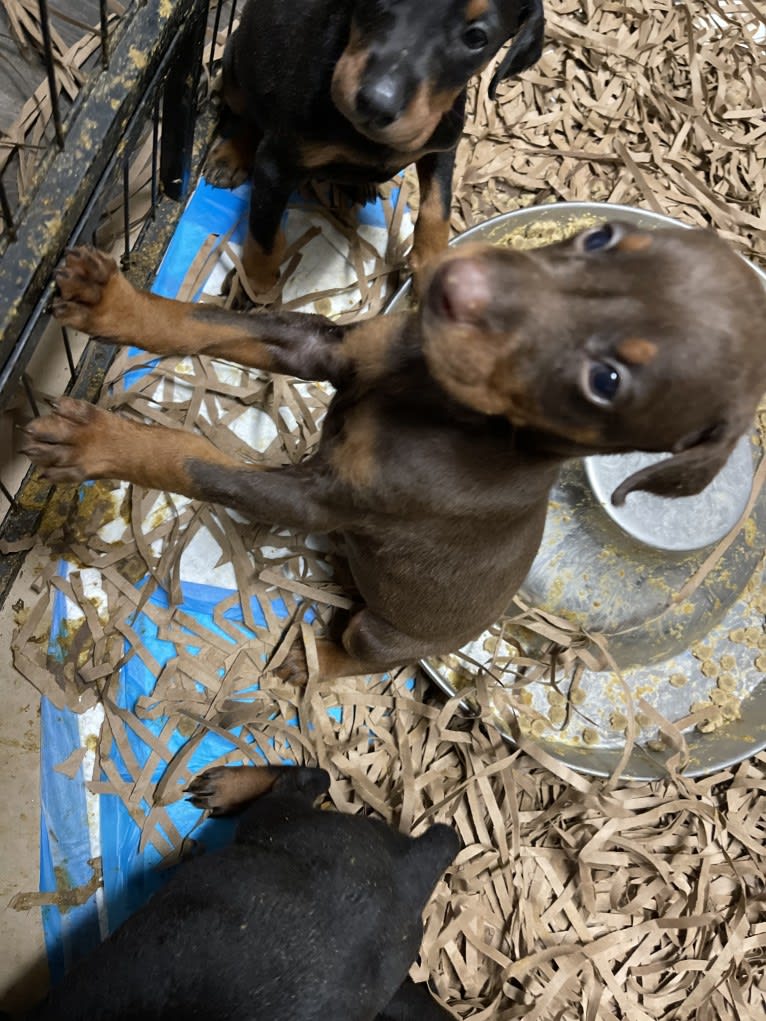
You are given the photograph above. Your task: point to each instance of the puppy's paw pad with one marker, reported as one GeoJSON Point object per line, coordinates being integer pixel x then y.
{"type": "Point", "coordinates": [90, 264]}
{"type": "Point", "coordinates": [66, 423]}
{"type": "Point", "coordinates": [71, 313]}
{"type": "Point", "coordinates": [83, 284]}
{"type": "Point", "coordinates": [78, 413]}
{"type": "Point", "coordinates": [84, 273]}
{"type": "Point", "coordinates": [208, 790]}
{"type": "Point", "coordinates": [225, 166]}
{"type": "Point", "coordinates": [59, 443]}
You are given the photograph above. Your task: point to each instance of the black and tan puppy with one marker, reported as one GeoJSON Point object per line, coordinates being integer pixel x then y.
{"type": "Point", "coordinates": [450, 423]}
{"type": "Point", "coordinates": [308, 915]}
{"type": "Point", "coordinates": [351, 91]}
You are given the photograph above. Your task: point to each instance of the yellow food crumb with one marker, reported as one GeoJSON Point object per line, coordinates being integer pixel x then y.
{"type": "Point", "coordinates": [678, 680]}
{"type": "Point", "coordinates": [577, 697]}
{"type": "Point", "coordinates": [700, 707]}
{"type": "Point", "coordinates": [732, 710]}
{"type": "Point", "coordinates": [642, 720]}
{"type": "Point", "coordinates": [727, 682]}
{"type": "Point", "coordinates": [557, 715]}
{"type": "Point", "coordinates": [535, 235]}
{"type": "Point", "coordinates": [555, 697]}
{"type": "Point", "coordinates": [728, 662]}
{"type": "Point", "coordinates": [537, 729]}
{"type": "Point", "coordinates": [708, 668]}
{"type": "Point", "coordinates": [617, 721]}
{"type": "Point", "coordinates": [590, 736]}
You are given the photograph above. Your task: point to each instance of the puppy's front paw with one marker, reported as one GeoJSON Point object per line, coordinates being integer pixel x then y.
{"type": "Point", "coordinates": [90, 291]}
{"type": "Point", "coordinates": [226, 165]}
{"type": "Point", "coordinates": [294, 669]}
{"type": "Point", "coordinates": [68, 445]}
{"type": "Point", "coordinates": [223, 789]}
{"type": "Point", "coordinates": [262, 268]}
{"type": "Point", "coordinates": [332, 660]}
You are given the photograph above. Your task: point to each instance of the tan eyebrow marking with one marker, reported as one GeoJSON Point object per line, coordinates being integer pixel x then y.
{"type": "Point", "coordinates": [637, 351]}
{"type": "Point", "coordinates": [475, 9]}
{"type": "Point", "coordinates": [634, 243]}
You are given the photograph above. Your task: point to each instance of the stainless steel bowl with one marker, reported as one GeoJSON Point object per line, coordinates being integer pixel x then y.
{"type": "Point", "coordinates": [614, 572]}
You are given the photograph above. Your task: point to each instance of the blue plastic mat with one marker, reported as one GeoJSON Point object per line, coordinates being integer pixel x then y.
{"type": "Point", "coordinates": [67, 832]}
{"type": "Point", "coordinates": [78, 827]}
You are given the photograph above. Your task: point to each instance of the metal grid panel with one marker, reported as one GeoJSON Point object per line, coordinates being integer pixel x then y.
{"type": "Point", "coordinates": [146, 95]}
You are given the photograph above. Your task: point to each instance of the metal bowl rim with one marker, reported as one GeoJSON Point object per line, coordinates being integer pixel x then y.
{"type": "Point", "coordinates": [481, 229]}
{"type": "Point", "coordinates": [561, 208]}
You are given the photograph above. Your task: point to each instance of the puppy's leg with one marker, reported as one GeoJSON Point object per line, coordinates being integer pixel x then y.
{"type": "Point", "coordinates": [413, 1002]}
{"type": "Point", "coordinates": [274, 179]}
{"type": "Point", "coordinates": [96, 298]}
{"type": "Point", "coordinates": [224, 790]}
{"type": "Point", "coordinates": [230, 161]}
{"type": "Point", "coordinates": [369, 645]}
{"type": "Point", "coordinates": [432, 226]}
{"type": "Point", "coordinates": [80, 441]}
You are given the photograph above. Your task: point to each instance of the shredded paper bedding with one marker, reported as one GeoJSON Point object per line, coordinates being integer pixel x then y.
{"type": "Point", "coordinates": [159, 620]}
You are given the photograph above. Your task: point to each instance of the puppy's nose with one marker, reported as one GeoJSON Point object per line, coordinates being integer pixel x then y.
{"type": "Point", "coordinates": [461, 290]}
{"type": "Point", "coordinates": [379, 102]}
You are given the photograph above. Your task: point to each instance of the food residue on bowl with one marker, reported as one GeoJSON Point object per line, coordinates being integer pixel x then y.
{"type": "Point", "coordinates": [546, 232]}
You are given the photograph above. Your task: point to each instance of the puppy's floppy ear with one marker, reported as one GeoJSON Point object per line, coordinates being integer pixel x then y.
{"type": "Point", "coordinates": [687, 472]}
{"type": "Point", "coordinates": [527, 45]}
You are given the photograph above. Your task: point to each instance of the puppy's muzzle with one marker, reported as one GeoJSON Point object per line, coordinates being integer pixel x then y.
{"type": "Point", "coordinates": [379, 103]}
{"type": "Point", "coordinates": [460, 291]}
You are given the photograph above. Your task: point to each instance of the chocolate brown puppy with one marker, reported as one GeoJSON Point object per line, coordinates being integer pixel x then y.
{"type": "Point", "coordinates": [449, 423]}
{"type": "Point", "coordinates": [308, 915]}
{"type": "Point", "coordinates": [351, 91]}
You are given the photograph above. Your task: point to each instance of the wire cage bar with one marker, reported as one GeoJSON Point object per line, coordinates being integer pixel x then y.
{"type": "Point", "coordinates": [145, 90]}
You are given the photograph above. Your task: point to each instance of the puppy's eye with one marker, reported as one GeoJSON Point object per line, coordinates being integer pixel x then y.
{"type": "Point", "coordinates": [599, 238]}
{"type": "Point", "coordinates": [475, 38]}
{"type": "Point", "coordinates": [602, 382]}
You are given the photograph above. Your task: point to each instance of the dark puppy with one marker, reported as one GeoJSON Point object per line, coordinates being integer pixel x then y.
{"type": "Point", "coordinates": [308, 915]}
{"type": "Point", "coordinates": [450, 423]}
{"type": "Point", "coordinates": [352, 91]}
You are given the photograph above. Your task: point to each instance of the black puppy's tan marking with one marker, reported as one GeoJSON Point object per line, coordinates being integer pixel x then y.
{"type": "Point", "coordinates": [223, 790]}
{"type": "Point", "coordinates": [368, 88]}
{"type": "Point", "coordinates": [432, 225]}
{"type": "Point", "coordinates": [449, 424]}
